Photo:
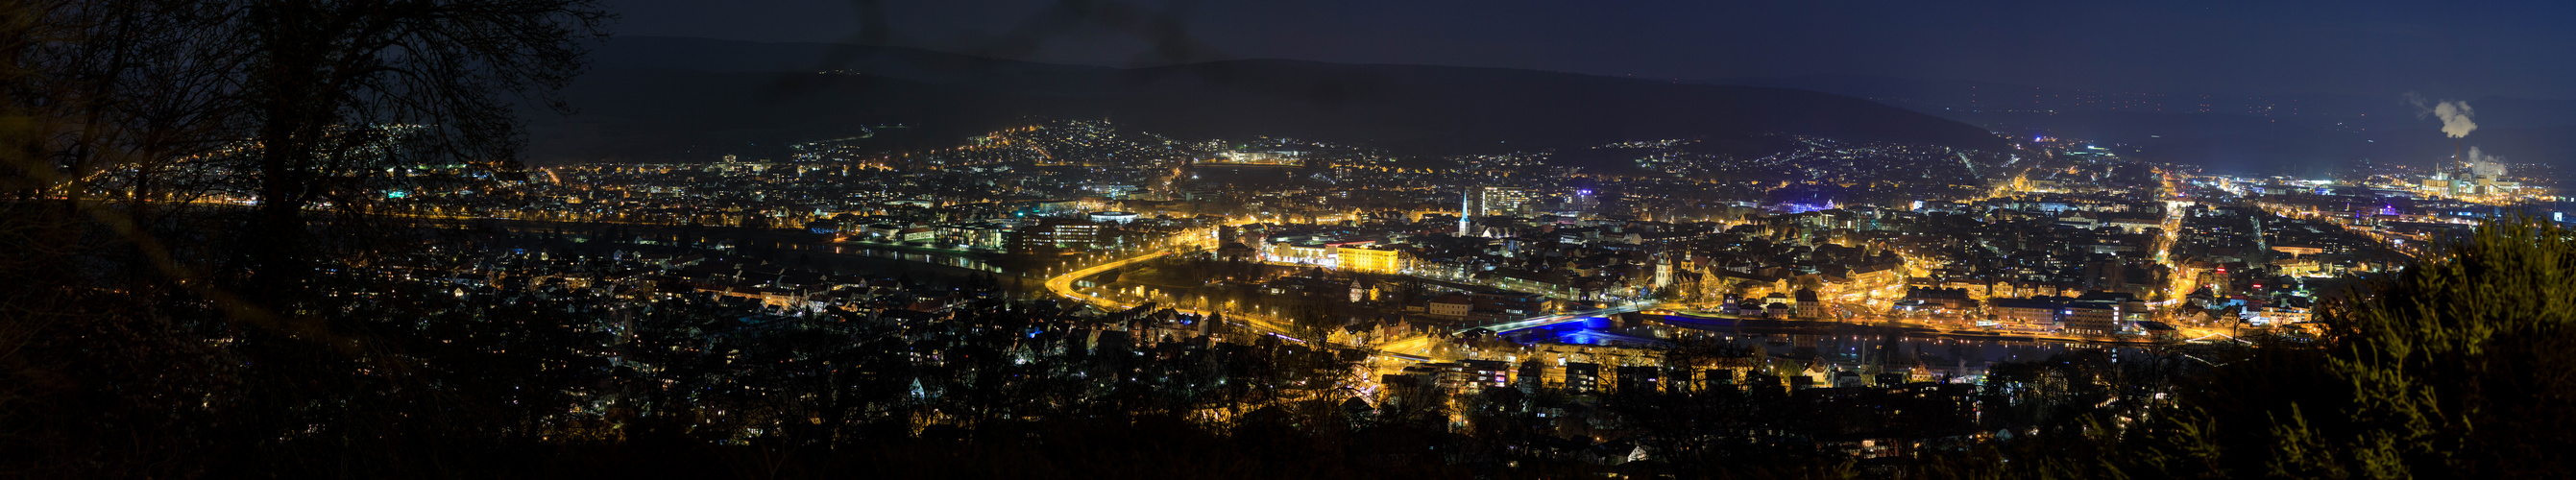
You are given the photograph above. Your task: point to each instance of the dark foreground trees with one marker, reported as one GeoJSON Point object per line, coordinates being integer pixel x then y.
{"type": "Point", "coordinates": [2459, 367]}
{"type": "Point", "coordinates": [178, 181]}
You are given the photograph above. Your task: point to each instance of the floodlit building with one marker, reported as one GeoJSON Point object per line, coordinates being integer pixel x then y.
{"type": "Point", "coordinates": [1113, 217]}
{"type": "Point", "coordinates": [1370, 259]}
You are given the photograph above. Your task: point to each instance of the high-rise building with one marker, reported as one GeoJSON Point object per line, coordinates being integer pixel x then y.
{"type": "Point", "coordinates": [1583, 200]}
{"type": "Point", "coordinates": [1466, 210]}
{"type": "Point", "coordinates": [1504, 201]}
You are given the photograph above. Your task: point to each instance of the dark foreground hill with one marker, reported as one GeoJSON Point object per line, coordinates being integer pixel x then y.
{"type": "Point", "coordinates": [686, 99]}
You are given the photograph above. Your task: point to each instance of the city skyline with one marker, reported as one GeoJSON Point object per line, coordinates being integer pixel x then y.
{"type": "Point", "coordinates": [1112, 239]}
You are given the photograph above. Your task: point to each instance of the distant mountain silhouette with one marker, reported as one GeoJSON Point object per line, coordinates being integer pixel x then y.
{"type": "Point", "coordinates": [674, 99]}
{"type": "Point", "coordinates": [2300, 134]}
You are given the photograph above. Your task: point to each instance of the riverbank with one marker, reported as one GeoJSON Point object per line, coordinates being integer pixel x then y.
{"type": "Point", "coordinates": [1765, 325]}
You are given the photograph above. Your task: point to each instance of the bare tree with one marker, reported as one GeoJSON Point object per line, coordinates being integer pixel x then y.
{"type": "Point", "coordinates": [129, 305]}
{"type": "Point", "coordinates": [338, 92]}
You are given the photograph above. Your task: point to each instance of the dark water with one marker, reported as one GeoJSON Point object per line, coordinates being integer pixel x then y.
{"type": "Point", "coordinates": [1937, 352]}
{"type": "Point", "coordinates": [1837, 344]}
{"type": "Point", "coordinates": [793, 248]}
{"type": "Point", "coordinates": [967, 261]}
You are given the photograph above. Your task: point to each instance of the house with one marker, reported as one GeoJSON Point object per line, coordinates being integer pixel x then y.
{"type": "Point", "coordinates": [1582, 377]}
{"type": "Point", "coordinates": [1450, 306]}
{"type": "Point", "coordinates": [1639, 379]}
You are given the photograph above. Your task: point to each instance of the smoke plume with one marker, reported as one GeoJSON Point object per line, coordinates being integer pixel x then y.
{"type": "Point", "coordinates": [2455, 114]}
{"type": "Point", "coordinates": [2483, 164]}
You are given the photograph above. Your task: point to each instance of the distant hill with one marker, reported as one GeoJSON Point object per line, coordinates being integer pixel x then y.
{"type": "Point", "coordinates": [672, 99]}
{"type": "Point", "coordinates": [2285, 134]}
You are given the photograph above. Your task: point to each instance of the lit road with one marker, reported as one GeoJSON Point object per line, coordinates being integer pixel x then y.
{"type": "Point", "coordinates": [2180, 279]}
{"type": "Point", "coordinates": [1063, 285]}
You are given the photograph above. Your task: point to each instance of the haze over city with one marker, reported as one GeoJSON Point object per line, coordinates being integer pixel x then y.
{"type": "Point", "coordinates": [2365, 48]}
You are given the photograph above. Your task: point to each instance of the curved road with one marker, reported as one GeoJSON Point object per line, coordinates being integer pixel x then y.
{"type": "Point", "coordinates": [1063, 285]}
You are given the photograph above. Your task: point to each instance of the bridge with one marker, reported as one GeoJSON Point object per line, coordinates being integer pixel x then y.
{"type": "Point", "coordinates": [1546, 320]}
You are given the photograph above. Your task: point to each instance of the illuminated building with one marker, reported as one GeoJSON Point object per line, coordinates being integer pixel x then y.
{"type": "Point", "coordinates": [1055, 233]}
{"type": "Point", "coordinates": [1113, 217]}
{"type": "Point", "coordinates": [1370, 259]}
{"type": "Point", "coordinates": [1505, 201]}
{"type": "Point", "coordinates": [1466, 211]}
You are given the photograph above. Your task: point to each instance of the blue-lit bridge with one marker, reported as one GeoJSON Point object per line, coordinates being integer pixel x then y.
{"type": "Point", "coordinates": [1546, 320]}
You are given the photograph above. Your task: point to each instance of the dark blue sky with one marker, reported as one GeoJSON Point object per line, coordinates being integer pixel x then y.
{"type": "Point", "coordinates": [2361, 47]}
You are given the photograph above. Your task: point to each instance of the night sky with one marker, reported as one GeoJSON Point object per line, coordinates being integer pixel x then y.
{"type": "Point", "coordinates": [2374, 48]}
